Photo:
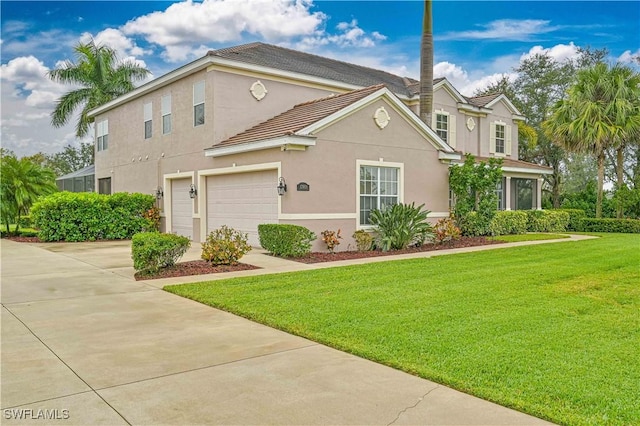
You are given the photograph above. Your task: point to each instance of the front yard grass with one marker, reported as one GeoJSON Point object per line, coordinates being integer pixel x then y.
{"type": "Point", "coordinates": [551, 330]}
{"type": "Point", "coordinates": [528, 237]}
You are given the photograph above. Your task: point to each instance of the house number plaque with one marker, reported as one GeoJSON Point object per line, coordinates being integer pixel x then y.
{"type": "Point", "coordinates": [303, 186]}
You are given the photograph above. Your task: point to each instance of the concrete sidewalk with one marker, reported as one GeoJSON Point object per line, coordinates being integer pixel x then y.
{"type": "Point", "coordinates": [86, 344]}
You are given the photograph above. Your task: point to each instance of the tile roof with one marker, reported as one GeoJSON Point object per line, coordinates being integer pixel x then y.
{"type": "Point", "coordinates": [414, 86]}
{"type": "Point", "coordinates": [508, 162]}
{"type": "Point", "coordinates": [281, 58]}
{"type": "Point", "coordinates": [481, 101]}
{"type": "Point", "coordinates": [299, 117]}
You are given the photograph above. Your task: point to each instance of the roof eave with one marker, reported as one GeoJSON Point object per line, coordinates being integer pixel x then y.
{"type": "Point", "coordinates": [278, 142]}
{"type": "Point", "coordinates": [527, 170]}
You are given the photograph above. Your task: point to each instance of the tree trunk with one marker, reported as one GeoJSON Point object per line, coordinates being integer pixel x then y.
{"type": "Point", "coordinates": [600, 183]}
{"type": "Point", "coordinates": [619, 176]}
{"type": "Point", "coordinates": [426, 65]}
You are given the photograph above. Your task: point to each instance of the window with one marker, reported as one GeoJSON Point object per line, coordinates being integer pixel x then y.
{"type": "Point", "coordinates": [442, 124]}
{"type": "Point", "coordinates": [445, 126]}
{"type": "Point", "coordinates": [102, 135]}
{"type": "Point", "coordinates": [166, 114]}
{"type": "Point", "coordinates": [148, 114]}
{"type": "Point", "coordinates": [379, 188]}
{"type": "Point", "coordinates": [500, 141]}
{"type": "Point", "coordinates": [523, 193]}
{"type": "Point", "coordinates": [500, 194]}
{"type": "Point", "coordinates": [104, 186]}
{"type": "Point", "coordinates": [198, 103]}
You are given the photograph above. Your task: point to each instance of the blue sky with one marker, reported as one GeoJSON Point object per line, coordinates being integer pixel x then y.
{"type": "Point", "coordinates": [475, 41]}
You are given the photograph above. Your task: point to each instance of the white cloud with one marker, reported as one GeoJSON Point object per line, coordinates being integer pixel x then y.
{"type": "Point", "coordinates": [350, 35]}
{"type": "Point", "coordinates": [559, 52]}
{"type": "Point", "coordinates": [188, 23]}
{"type": "Point", "coordinates": [627, 56]}
{"type": "Point", "coordinates": [114, 38]}
{"type": "Point", "coordinates": [28, 74]}
{"type": "Point", "coordinates": [504, 29]}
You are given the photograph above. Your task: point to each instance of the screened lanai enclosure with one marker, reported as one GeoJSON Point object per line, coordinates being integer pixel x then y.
{"type": "Point", "coordinates": [82, 180]}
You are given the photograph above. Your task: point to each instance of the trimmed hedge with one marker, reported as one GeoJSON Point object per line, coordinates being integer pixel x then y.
{"type": "Point", "coordinates": [285, 240]}
{"type": "Point", "coordinates": [627, 226]}
{"type": "Point", "coordinates": [575, 215]}
{"type": "Point", "coordinates": [547, 220]}
{"type": "Point", "coordinates": [151, 251]}
{"type": "Point", "coordinates": [508, 222]}
{"type": "Point", "coordinates": [87, 216]}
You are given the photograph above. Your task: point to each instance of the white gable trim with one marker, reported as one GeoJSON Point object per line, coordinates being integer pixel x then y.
{"type": "Point", "coordinates": [444, 83]}
{"type": "Point", "coordinates": [503, 98]}
{"type": "Point", "coordinates": [281, 142]}
{"type": "Point", "coordinates": [393, 100]}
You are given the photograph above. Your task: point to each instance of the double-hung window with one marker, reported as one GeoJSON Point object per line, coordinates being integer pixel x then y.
{"type": "Point", "coordinates": [148, 120]}
{"type": "Point", "coordinates": [442, 126]}
{"type": "Point", "coordinates": [166, 114]}
{"type": "Point", "coordinates": [500, 138]}
{"type": "Point", "coordinates": [198, 103]}
{"type": "Point", "coordinates": [500, 142]}
{"type": "Point", "coordinates": [102, 135]}
{"type": "Point", "coordinates": [445, 126]}
{"type": "Point", "coordinates": [379, 189]}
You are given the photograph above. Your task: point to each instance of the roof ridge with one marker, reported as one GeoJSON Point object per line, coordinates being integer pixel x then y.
{"type": "Point", "coordinates": [239, 47]}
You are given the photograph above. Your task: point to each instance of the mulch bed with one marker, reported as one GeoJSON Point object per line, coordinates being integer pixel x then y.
{"type": "Point", "coordinates": [347, 255]}
{"type": "Point", "coordinates": [194, 267]}
{"type": "Point", "coordinates": [21, 239]}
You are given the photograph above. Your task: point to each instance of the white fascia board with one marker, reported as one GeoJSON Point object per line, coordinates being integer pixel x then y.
{"type": "Point", "coordinates": [168, 78]}
{"type": "Point", "coordinates": [454, 156]}
{"type": "Point", "coordinates": [516, 117]}
{"type": "Point", "coordinates": [507, 102]}
{"type": "Point", "coordinates": [395, 102]}
{"type": "Point", "coordinates": [260, 145]}
{"type": "Point", "coordinates": [527, 170]}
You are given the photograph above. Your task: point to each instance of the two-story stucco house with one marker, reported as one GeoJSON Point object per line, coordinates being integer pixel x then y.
{"type": "Point", "coordinates": [262, 134]}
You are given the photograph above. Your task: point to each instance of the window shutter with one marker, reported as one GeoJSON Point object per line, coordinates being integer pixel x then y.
{"type": "Point", "coordinates": [147, 111]}
{"type": "Point", "coordinates": [452, 131]}
{"type": "Point", "coordinates": [507, 140]}
{"type": "Point", "coordinates": [492, 137]}
{"type": "Point", "coordinates": [434, 118]}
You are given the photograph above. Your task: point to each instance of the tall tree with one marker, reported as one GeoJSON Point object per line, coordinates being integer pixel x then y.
{"type": "Point", "coordinates": [593, 118]}
{"type": "Point", "coordinates": [23, 181]}
{"type": "Point", "coordinates": [71, 158]}
{"type": "Point", "coordinates": [426, 65]}
{"type": "Point", "coordinates": [100, 76]}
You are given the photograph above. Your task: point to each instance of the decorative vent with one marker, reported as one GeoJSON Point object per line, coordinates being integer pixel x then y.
{"type": "Point", "coordinates": [381, 117]}
{"type": "Point", "coordinates": [258, 90]}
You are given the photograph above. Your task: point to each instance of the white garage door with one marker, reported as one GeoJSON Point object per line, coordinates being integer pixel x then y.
{"type": "Point", "coordinates": [242, 201]}
{"type": "Point", "coordinates": [181, 206]}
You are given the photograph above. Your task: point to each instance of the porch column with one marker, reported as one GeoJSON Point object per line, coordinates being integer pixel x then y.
{"type": "Point", "coordinates": [507, 193]}
{"type": "Point", "coordinates": [539, 194]}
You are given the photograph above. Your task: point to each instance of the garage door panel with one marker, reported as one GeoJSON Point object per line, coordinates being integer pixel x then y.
{"type": "Point", "coordinates": [242, 201]}
{"type": "Point", "coordinates": [181, 207]}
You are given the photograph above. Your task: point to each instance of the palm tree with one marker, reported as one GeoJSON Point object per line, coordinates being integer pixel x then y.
{"type": "Point", "coordinates": [100, 76]}
{"type": "Point", "coordinates": [426, 65]}
{"type": "Point", "coordinates": [23, 181]}
{"type": "Point", "coordinates": [598, 114]}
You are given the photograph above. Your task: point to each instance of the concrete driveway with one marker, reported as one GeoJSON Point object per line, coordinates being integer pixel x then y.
{"type": "Point", "coordinates": [83, 343]}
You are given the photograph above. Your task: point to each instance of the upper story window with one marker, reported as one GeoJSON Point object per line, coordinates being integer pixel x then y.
{"type": "Point", "coordinates": [379, 188]}
{"type": "Point", "coordinates": [148, 121]}
{"type": "Point", "coordinates": [166, 114]}
{"type": "Point", "coordinates": [198, 103]}
{"type": "Point", "coordinates": [445, 126]}
{"type": "Point", "coordinates": [102, 135]}
{"type": "Point", "coordinates": [500, 138]}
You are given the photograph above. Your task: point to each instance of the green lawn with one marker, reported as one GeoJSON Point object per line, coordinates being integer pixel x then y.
{"type": "Point", "coordinates": [528, 237]}
{"type": "Point", "coordinates": [552, 330]}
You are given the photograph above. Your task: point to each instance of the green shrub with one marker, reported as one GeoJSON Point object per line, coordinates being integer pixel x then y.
{"type": "Point", "coordinates": [151, 251]}
{"type": "Point", "coordinates": [508, 222]}
{"type": "Point", "coordinates": [25, 221]}
{"type": "Point", "coordinates": [446, 230]}
{"type": "Point", "coordinates": [87, 216]}
{"type": "Point", "coordinates": [225, 246]}
{"type": "Point", "coordinates": [547, 220]}
{"type": "Point", "coordinates": [575, 215]}
{"type": "Point", "coordinates": [473, 224]}
{"type": "Point", "coordinates": [364, 240]}
{"type": "Point", "coordinates": [628, 226]}
{"type": "Point", "coordinates": [285, 240]}
{"type": "Point", "coordinates": [401, 225]}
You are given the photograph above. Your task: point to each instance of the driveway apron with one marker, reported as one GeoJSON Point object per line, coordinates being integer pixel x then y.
{"type": "Point", "coordinates": [83, 343]}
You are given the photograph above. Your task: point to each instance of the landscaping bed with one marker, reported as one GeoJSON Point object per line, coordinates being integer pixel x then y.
{"type": "Point", "coordinates": [194, 267]}
{"type": "Point", "coordinates": [317, 257]}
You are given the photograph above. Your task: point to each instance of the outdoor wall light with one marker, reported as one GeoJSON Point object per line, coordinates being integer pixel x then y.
{"type": "Point", "coordinates": [159, 193]}
{"type": "Point", "coordinates": [193, 191]}
{"type": "Point", "coordinates": [282, 186]}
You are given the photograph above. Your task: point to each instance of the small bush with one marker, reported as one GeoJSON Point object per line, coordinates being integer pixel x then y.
{"type": "Point", "coordinates": [364, 240]}
{"type": "Point", "coordinates": [225, 246]}
{"type": "Point", "coordinates": [508, 222]}
{"type": "Point", "coordinates": [331, 239]}
{"type": "Point", "coordinates": [575, 215]}
{"type": "Point", "coordinates": [445, 230]}
{"type": "Point", "coordinates": [285, 240]}
{"type": "Point", "coordinates": [25, 221]}
{"type": "Point", "coordinates": [547, 220]}
{"type": "Point", "coordinates": [628, 226]}
{"type": "Point", "coordinates": [152, 217]}
{"type": "Point", "coordinates": [473, 225]}
{"type": "Point", "coordinates": [401, 226]}
{"type": "Point", "coordinates": [151, 251]}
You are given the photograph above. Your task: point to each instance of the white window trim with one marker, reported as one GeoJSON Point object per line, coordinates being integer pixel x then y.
{"type": "Point", "coordinates": [451, 125]}
{"type": "Point", "coordinates": [164, 113]}
{"type": "Point", "coordinates": [492, 138]}
{"type": "Point", "coordinates": [102, 129]}
{"type": "Point", "coordinates": [379, 163]}
{"type": "Point", "coordinates": [195, 104]}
